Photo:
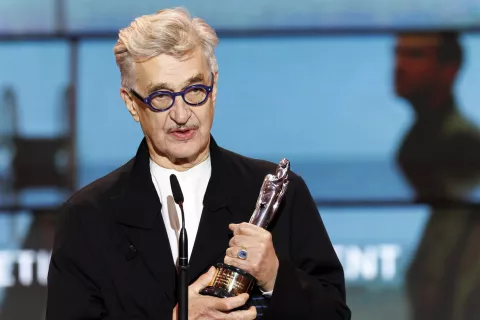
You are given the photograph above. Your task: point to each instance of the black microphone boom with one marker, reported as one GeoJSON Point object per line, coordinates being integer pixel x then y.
{"type": "Point", "coordinates": [182, 252]}
{"type": "Point", "coordinates": [176, 190]}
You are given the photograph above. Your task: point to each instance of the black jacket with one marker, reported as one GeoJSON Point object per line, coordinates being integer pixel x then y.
{"type": "Point", "coordinates": [112, 258]}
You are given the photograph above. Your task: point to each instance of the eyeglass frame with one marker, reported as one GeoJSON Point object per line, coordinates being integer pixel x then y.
{"type": "Point", "coordinates": [174, 95]}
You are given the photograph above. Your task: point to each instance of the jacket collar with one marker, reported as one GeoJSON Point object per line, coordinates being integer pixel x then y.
{"type": "Point", "coordinates": [138, 201]}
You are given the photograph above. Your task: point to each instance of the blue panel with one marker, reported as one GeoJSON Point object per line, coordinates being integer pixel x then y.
{"type": "Point", "coordinates": [110, 15]}
{"type": "Point", "coordinates": [38, 75]}
{"type": "Point", "coordinates": [25, 16]}
{"type": "Point", "coordinates": [270, 14]}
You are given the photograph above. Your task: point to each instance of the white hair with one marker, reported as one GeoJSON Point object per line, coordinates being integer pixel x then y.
{"type": "Point", "coordinates": [170, 31]}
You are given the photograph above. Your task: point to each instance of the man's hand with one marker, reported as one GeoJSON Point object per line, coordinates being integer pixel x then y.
{"type": "Point", "coordinates": [206, 307]}
{"type": "Point", "coordinates": [261, 261]}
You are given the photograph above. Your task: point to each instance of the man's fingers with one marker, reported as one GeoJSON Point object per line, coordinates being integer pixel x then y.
{"type": "Point", "coordinates": [203, 280]}
{"type": "Point", "coordinates": [243, 241]}
{"type": "Point", "coordinates": [242, 264]}
{"type": "Point", "coordinates": [228, 304]}
{"type": "Point", "coordinates": [244, 228]}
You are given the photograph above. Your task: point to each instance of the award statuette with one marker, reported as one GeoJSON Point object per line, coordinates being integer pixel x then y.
{"type": "Point", "coordinates": [230, 281]}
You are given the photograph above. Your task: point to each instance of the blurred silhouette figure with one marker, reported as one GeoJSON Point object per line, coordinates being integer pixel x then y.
{"type": "Point", "coordinates": [440, 159]}
{"type": "Point", "coordinates": [28, 162]}
{"type": "Point", "coordinates": [32, 163]}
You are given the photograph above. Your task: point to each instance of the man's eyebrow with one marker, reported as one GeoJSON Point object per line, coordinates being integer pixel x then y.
{"type": "Point", "coordinates": [152, 87]}
{"type": "Point", "coordinates": [199, 77]}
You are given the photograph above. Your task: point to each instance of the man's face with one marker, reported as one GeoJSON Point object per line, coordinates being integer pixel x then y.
{"type": "Point", "coordinates": [416, 65]}
{"type": "Point", "coordinates": [181, 133]}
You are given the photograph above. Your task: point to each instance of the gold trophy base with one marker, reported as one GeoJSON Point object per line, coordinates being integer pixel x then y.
{"type": "Point", "coordinates": [229, 281]}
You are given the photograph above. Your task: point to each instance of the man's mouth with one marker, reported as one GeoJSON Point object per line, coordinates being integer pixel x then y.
{"type": "Point", "coordinates": [183, 133]}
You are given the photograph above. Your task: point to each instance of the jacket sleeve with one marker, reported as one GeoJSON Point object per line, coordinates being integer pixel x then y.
{"type": "Point", "coordinates": [73, 291]}
{"type": "Point", "coordinates": [310, 282]}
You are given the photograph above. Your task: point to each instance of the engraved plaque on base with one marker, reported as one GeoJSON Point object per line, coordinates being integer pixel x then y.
{"type": "Point", "coordinates": [230, 281]}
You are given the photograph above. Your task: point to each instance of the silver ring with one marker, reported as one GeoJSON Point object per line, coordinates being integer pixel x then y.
{"type": "Point", "coordinates": [242, 254]}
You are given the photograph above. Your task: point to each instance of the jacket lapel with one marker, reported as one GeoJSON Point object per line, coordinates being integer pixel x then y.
{"type": "Point", "coordinates": [211, 242]}
{"type": "Point", "coordinates": [218, 212]}
{"type": "Point", "coordinates": [139, 216]}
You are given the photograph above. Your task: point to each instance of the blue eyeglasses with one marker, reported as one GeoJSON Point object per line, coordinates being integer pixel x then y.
{"type": "Point", "coordinates": [161, 101]}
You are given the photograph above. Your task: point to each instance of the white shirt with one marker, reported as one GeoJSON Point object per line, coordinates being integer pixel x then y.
{"type": "Point", "coordinates": [193, 183]}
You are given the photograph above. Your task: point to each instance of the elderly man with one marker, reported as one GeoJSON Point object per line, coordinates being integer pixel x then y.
{"type": "Point", "coordinates": [116, 250]}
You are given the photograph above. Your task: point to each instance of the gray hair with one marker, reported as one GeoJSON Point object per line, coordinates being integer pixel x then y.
{"type": "Point", "coordinates": [170, 31]}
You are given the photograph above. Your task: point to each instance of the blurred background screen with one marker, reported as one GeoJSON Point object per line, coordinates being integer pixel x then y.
{"type": "Point", "coordinates": [337, 87]}
{"type": "Point", "coordinates": [269, 14]}
{"type": "Point", "coordinates": [109, 15]}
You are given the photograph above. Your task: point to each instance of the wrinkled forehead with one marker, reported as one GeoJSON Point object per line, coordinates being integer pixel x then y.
{"type": "Point", "coordinates": [171, 71]}
{"type": "Point", "coordinates": [418, 41]}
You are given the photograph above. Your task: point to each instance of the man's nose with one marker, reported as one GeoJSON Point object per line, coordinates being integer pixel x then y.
{"type": "Point", "coordinates": [180, 112]}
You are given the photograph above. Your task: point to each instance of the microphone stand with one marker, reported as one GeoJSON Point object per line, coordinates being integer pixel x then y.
{"type": "Point", "coordinates": [183, 270]}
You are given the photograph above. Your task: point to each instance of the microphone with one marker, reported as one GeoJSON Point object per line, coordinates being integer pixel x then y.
{"type": "Point", "coordinates": [182, 252]}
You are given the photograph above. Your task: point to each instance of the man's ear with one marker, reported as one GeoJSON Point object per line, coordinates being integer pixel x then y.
{"type": "Point", "coordinates": [130, 104]}
{"type": "Point", "coordinates": [214, 90]}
